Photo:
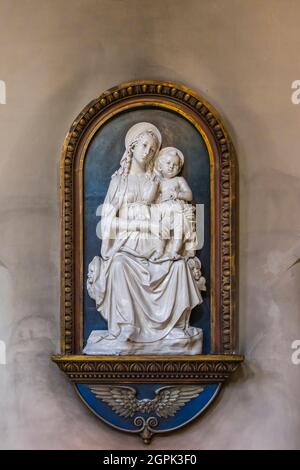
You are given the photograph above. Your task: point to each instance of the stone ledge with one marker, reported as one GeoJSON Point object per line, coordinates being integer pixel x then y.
{"type": "Point", "coordinates": [148, 369]}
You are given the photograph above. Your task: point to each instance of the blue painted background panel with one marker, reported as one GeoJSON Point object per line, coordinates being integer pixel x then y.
{"type": "Point", "coordinates": [102, 160]}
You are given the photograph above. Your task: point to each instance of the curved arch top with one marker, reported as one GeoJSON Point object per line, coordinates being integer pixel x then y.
{"type": "Point", "coordinates": [191, 106]}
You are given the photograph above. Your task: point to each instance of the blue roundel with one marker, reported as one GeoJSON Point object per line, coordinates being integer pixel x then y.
{"type": "Point", "coordinates": [164, 408]}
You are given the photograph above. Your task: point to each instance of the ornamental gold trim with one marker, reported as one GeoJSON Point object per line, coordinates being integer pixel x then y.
{"type": "Point", "coordinates": [225, 288]}
{"type": "Point", "coordinates": [148, 369]}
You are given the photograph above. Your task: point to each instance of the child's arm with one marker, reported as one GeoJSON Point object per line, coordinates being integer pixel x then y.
{"type": "Point", "coordinates": [185, 192]}
{"type": "Point", "coordinates": [153, 191]}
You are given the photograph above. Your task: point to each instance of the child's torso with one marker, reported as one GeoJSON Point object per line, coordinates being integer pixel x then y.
{"type": "Point", "coordinates": [167, 185]}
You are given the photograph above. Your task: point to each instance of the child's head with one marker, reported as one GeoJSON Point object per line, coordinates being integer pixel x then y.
{"type": "Point", "coordinates": [195, 265]}
{"type": "Point", "coordinates": [170, 162]}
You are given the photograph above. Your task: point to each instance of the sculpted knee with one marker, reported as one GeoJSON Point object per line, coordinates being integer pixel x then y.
{"type": "Point", "coordinates": [117, 264]}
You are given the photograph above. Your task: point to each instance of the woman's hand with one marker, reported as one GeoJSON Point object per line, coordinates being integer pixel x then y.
{"type": "Point", "coordinates": [153, 192]}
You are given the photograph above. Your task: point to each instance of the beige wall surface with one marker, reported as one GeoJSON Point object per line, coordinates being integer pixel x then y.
{"type": "Point", "coordinates": [242, 55]}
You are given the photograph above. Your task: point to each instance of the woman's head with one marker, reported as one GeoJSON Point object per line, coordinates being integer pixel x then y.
{"type": "Point", "coordinates": [144, 147]}
{"type": "Point", "coordinates": [142, 142]}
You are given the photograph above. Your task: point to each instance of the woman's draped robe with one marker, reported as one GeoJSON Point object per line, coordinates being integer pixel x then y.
{"type": "Point", "coordinates": [143, 301]}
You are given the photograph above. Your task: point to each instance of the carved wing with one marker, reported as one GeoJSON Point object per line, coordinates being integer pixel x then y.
{"type": "Point", "coordinates": [170, 399]}
{"type": "Point", "coordinates": [121, 399]}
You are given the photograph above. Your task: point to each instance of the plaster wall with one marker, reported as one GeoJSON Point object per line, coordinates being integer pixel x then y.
{"type": "Point", "coordinates": [56, 56]}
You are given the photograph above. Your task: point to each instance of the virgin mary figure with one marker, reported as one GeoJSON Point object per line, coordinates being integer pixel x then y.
{"type": "Point", "coordinates": [146, 301]}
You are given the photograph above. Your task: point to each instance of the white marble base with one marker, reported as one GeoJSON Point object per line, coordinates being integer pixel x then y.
{"type": "Point", "coordinates": [178, 342]}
